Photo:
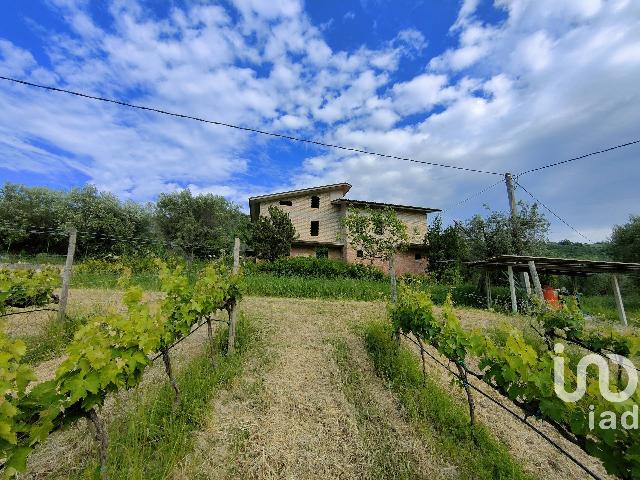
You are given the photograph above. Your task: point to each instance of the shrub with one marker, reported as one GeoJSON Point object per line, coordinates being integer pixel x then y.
{"type": "Point", "coordinates": [470, 296]}
{"type": "Point", "coordinates": [320, 268]}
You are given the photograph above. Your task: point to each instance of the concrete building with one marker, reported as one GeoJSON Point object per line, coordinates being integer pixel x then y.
{"type": "Point", "coordinates": [317, 213]}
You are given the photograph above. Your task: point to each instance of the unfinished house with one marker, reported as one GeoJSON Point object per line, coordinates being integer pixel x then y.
{"type": "Point", "coordinates": [316, 214]}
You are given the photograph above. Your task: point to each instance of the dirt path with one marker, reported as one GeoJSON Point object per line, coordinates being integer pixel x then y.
{"type": "Point", "coordinates": [289, 417]}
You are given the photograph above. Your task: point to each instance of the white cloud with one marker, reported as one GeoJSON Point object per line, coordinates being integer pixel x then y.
{"type": "Point", "coordinates": [554, 79]}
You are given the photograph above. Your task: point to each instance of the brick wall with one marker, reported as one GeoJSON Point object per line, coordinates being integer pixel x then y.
{"type": "Point", "coordinates": [405, 262]}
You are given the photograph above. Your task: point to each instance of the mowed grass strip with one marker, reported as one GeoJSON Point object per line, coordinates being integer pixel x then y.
{"type": "Point", "coordinates": [153, 436]}
{"type": "Point", "coordinates": [435, 414]}
{"type": "Point", "coordinates": [379, 438]}
{"type": "Point", "coordinates": [267, 285]}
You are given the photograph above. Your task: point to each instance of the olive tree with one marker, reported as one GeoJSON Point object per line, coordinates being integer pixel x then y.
{"type": "Point", "coordinates": [378, 233]}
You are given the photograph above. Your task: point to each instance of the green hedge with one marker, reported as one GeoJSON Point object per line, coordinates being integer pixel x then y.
{"type": "Point", "coordinates": [312, 267]}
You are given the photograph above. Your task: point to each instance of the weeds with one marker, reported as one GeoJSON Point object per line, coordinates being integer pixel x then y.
{"type": "Point", "coordinates": [435, 414]}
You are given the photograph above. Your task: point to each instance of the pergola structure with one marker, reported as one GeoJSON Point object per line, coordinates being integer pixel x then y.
{"type": "Point", "coordinates": [572, 267]}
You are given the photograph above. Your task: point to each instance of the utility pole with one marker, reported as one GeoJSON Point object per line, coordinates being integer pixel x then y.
{"type": "Point", "coordinates": [508, 179]}
{"type": "Point", "coordinates": [512, 196]}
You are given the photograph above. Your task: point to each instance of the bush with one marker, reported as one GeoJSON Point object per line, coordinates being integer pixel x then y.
{"type": "Point", "coordinates": [319, 268]}
{"type": "Point", "coordinates": [469, 296]}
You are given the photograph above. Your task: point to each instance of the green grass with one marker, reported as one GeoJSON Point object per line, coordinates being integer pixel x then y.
{"type": "Point", "coordinates": [148, 280]}
{"type": "Point", "coordinates": [52, 340]}
{"type": "Point", "coordinates": [604, 306]}
{"type": "Point", "coordinates": [435, 414]}
{"type": "Point", "coordinates": [379, 437]}
{"type": "Point", "coordinates": [38, 259]}
{"type": "Point", "coordinates": [268, 285]}
{"type": "Point", "coordinates": [152, 436]}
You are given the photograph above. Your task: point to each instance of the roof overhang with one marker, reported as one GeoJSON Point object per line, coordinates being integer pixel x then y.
{"type": "Point", "coordinates": [364, 203]}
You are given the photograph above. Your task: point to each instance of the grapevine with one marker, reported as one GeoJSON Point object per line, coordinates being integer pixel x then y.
{"type": "Point", "coordinates": [20, 288]}
{"type": "Point", "coordinates": [521, 373]}
{"type": "Point", "coordinates": [107, 355]}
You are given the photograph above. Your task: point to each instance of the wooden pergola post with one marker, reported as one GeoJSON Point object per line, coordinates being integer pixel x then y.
{"type": "Point", "coordinates": [536, 279]}
{"type": "Point", "coordinates": [527, 283]}
{"type": "Point", "coordinates": [618, 296]}
{"type": "Point", "coordinates": [512, 289]}
{"type": "Point", "coordinates": [487, 286]}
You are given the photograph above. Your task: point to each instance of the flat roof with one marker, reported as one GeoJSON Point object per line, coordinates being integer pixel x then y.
{"type": "Point", "coordinates": [556, 266]}
{"type": "Point", "coordinates": [365, 203]}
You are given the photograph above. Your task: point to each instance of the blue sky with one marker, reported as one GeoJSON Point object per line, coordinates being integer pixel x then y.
{"type": "Point", "coordinates": [502, 86]}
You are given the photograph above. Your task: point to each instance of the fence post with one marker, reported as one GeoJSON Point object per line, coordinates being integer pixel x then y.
{"type": "Point", "coordinates": [66, 274]}
{"type": "Point", "coordinates": [232, 308]}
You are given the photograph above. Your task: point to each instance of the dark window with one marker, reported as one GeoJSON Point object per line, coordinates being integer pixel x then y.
{"type": "Point", "coordinates": [285, 202]}
{"type": "Point", "coordinates": [359, 254]}
{"type": "Point", "coordinates": [322, 252]}
{"type": "Point", "coordinates": [315, 228]}
{"type": "Point", "coordinates": [418, 256]}
{"type": "Point", "coordinates": [315, 201]}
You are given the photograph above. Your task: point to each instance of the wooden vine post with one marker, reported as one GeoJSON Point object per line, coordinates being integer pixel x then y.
{"type": "Point", "coordinates": [66, 274]}
{"type": "Point", "coordinates": [231, 309]}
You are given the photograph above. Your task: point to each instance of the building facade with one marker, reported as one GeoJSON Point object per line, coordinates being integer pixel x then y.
{"type": "Point", "coordinates": [317, 212]}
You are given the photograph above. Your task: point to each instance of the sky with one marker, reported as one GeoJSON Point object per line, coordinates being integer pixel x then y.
{"type": "Point", "coordinates": [502, 86]}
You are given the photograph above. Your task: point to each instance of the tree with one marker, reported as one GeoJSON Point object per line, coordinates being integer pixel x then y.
{"type": "Point", "coordinates": [201, 225]}
{"type": "Point", "coordinates": [446, 250]}
{"type": "Point", "coordinates": [378, 233]}
{"type": "Point", "coordinates": [625, 241]}
{"type": "Point", "coordinates": [35, 220]}
{"type": "Point", "coordinates": [108, 225]}
{"type": "Point", "coordinates": [31, 219]}
{"type": "Point", "coordinates": [271, 236]}
{"type": "Point", "coordinates": [493, 235]}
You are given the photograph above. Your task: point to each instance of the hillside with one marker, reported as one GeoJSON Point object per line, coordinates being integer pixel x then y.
{"type": "Point", "coordinates": [585, 251]}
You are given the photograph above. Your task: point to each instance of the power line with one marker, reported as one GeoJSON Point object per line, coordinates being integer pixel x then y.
{"type": "Point", "coordinates": [552, 212]}
{"type": "Point", "coordinates": [580, 157]}
{"type": "Point", "coordinates": [473, 195]}
{"type": "Point", "coordinates": [246, 129]}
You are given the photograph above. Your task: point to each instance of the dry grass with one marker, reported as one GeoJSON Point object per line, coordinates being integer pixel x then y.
{"type": "Point", "coordinates": [290, 417]}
